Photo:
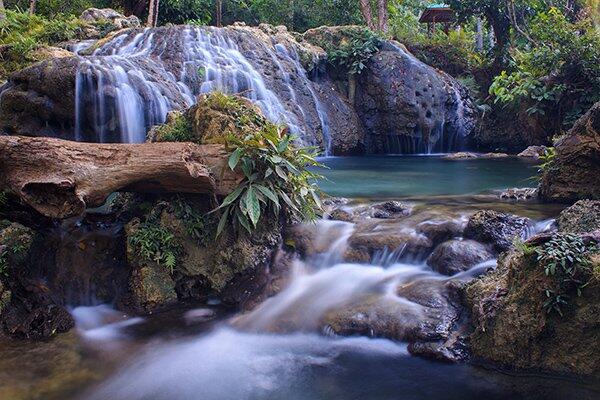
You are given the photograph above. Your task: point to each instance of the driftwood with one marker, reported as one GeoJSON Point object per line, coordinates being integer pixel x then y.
{"type": "Point", "coordinates": [60, 178]}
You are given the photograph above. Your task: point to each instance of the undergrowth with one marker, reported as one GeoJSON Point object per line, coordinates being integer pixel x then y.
{"type": "Point", "coordinates": [565, 258]}
{"type": "Point", "coordinates": [156, 243]}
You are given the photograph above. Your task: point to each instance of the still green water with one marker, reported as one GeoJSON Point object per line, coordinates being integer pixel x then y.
{"type": "Point", "coordinates": [418, 176]}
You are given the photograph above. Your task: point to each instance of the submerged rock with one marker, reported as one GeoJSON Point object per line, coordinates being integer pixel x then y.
{"type": "Point", "coordinates": [456, 256]}
{"type": "Point", "coordinates": [496, 228]}
{"type": "Point", "coordinates": [573, 172]}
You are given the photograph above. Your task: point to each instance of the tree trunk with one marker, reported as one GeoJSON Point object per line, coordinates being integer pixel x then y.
{"type": "Point", "coordinates": [365, 9]}
{"type": "Point", "coordinates": [219, 13]}
{"type": "Point", "coordinates": [32, 6]}
{"type": "Point", "coordinates": [153, 13]}
{"type": "Point", "coordinates": [382, 12]}
{"type": "Point", "coordinates": [2, 11]}
{"type": "Point", "coordinates": [291, 15]}
{"type": "Point", "coordinates": [479, 36]}
{"type": "Point", "coordinates": [60, 178]}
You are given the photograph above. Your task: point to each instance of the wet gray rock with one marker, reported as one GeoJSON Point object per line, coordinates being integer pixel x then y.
{"type": "Point", "coordinates": [519, 194]}
{"type": "Point", "coordinates": [390, 209]}
{"type": "Point", "coordinates": [496, 228]}
{"type": "Point", "coordinates": [374, 237]}
{"type": "Point", "coordinates": [456, 256]}
{"type": "Point", "coordinates": [427, 314]}
{"type": "Point", "coordinates": [440, 231]}
{"type": "Point", "coordinates": [342, 214]}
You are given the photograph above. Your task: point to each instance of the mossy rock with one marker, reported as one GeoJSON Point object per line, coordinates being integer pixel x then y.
{"type": "Point", "coordinates": [581, 217]}
{"type": "Point", "coordinates": [332, 37]}
{"type": "Point", "coordinates": [513, 330]}
{"type": "Point", "coordinates": [214, 118]}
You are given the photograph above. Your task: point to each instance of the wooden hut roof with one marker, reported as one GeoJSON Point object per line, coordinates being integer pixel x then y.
{"type": "Point", "coordinates": [437, 13]}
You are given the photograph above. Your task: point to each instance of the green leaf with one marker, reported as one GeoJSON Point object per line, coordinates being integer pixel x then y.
{"type": "Point", "coordinates": [234, 158]}
{"type": "Point", "coordinates": [231, 197]}
{"type": "Point", "coordinates": [270, 195]}
{"type": "Point", "coordinates": [281, 173]}
{"type": "Point", "coordinates": [252, 205]}
{"type": "Point", "coordinates": [222, 222]}
{"type": "Point", "coordinates": [244, 221]}
{"type": "Point", "coordinates": [289, 201]}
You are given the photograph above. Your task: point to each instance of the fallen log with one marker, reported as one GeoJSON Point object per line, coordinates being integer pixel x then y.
{"type": "Point", "coordinates": [61, 178]}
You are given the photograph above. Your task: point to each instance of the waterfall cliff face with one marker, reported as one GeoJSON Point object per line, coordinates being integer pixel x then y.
{"type": "Point", "coordinates": [117, 89]}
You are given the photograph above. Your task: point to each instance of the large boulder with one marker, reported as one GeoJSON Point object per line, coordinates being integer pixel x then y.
{"type": "Point", "coordinates": [573, 173]}
{"type": "Point", "coordinates": [516, 324]}
{"type": "Point", "coordinates": [97, 16]}
{"type": "Point", "coordinates": [456, 256]}
{"type": "Point", "coordinates": [496, 228]}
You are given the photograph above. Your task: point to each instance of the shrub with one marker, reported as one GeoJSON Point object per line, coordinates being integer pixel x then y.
{"type": "Point", "coordinates": [352, 53]}
{"type": "Point", "coordinates": [155, 243]}
{"type": "Point", "coordinates": [565, 258]}
{"type": "Point", "coordinates": [178, 129]}
{"type": "Point", "coordinates": [275, 177]}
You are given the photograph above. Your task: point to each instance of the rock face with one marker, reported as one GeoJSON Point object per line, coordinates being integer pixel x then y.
{"type": "Point", "coordinates": [408, 107]}
{"type": "Point", "coordinates": [456, 256]}
{"type": "Point", "coordinates": [496, 228]}
{"type": "Point", "coordinates": [165, 68]}
{"type": "Point", "coordinates": [573, 173]}
{"type": "Point", "coordinates": [513, 327]}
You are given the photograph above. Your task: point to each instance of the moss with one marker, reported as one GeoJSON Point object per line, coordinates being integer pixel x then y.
{"type": "Point", "coordinates": [178, 128]}
{"type": "Point", "coordinates": [215, 118]}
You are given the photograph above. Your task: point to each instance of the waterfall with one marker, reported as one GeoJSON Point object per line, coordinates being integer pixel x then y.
{"type": "Point", "coordinates": [131, 82]}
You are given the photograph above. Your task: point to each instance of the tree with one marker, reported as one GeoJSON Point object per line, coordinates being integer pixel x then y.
{"type": "Point", "coordinates": [2, 11]}
{"type": "Point", "coordinates": [382, 11]}
{"type": "Point", "coordinates": [365, 9]}
{"type": "Point", "coordinates": [32, 6]}
{"type": "Point", "coordinates": [219, 13]}
{"type": "Point", "coordinates": [153, 13]}
{"type": "Point", "coordinates": [382, 14]}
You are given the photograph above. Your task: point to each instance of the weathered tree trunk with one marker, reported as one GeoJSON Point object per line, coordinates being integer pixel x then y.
{"type": "Point", "coordinates": [153, 13]}
{"type": "Point", "coordinates": [382, 12]}
{"type": "Point", "coordinates": [365, 9]}
{"type": "Point", "coordinates": [60, 178]}
{"type": "Point", "coordinates": [479, 35]}
{"type": "Point", "coordinates": [219, 13]}
{"type": "Point", "coordinates": [2, 11]}
{"type": "Point", "coordinates": [32, 6]}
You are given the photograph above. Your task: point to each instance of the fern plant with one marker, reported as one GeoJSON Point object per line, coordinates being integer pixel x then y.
{"type": "Point", "coordinates": [276, 177]}
{"type": "Point", "coordinates": [156, 243]}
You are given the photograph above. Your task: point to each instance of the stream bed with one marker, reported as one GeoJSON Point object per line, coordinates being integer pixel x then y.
{"type": "Point", "coordinates": [203, 351]}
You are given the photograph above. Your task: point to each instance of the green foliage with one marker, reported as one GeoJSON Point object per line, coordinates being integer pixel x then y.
{"type": "Point", "coordinates": [547, 160]}
{"type": "Point", "coordinates": [197, 224]}
{"type": "Point", "coordinates": [275, 177]}
{"type": "Point", "coordinates": [352, 53]}
{"type": "Point", "coordinates": [566, 258]}
{"type": "Point", "coordinates": [523, 247]}
{"type": "Point", "coordinates": [155, 243]}
{"type": "Point", "coordinates": [179, 129]}
{"type": "Point", "coordinates": [559, 71]}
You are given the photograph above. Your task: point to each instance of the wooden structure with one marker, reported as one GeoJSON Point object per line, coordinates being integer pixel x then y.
{"type": "Point", "coordinates": [437, 13]}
